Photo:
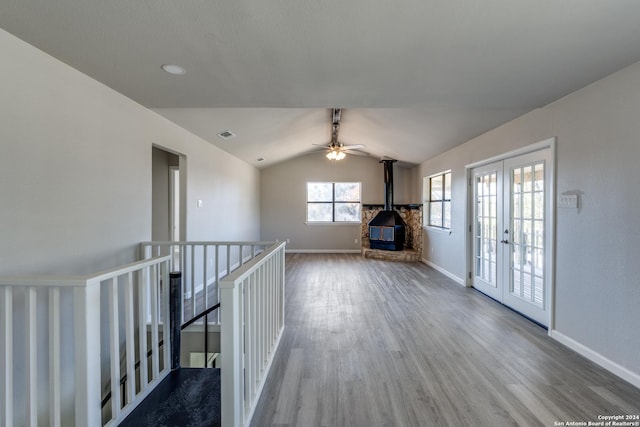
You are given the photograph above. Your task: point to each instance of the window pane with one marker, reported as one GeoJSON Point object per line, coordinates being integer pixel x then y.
{"type": "Point", "coordinates": [446, 223]}
{"type": "Point", "coordinates": [447, 186]}
{"type": "Point", "coordinates": [319, 192]}
{"type": "Point", "coordinates": [435, 214]}
{"type": "Point", "coordinates": [319, 212]}
{"type": "Point", "coordinates": [436, 188]}
{"type": "Point", "coordinates": [347, 192]}
{"type": "Point", "coordinates": [348, 212]}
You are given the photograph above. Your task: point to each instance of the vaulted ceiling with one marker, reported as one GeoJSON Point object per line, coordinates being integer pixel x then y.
{"type": "Point", "coordinates": [415, 77]}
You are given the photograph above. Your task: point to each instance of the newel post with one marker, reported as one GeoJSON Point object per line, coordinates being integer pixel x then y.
{"type": "Point", "coordinates": [175, 318]}
{"type": "Point", "coordinates": [87, 354]}
{"type": "Point", "coordinates": [231, 338]}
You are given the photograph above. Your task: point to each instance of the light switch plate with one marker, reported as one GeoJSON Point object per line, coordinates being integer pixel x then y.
{"type": "Point", "coordinates": [568, 201]}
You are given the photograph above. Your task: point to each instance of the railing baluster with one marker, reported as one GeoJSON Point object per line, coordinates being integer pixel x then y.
{"type": "Point", "coordinates": [192, 274]}
{"type": "Point", "coordinates": [155, 363]}
{"type": "Point", "coordinates": [249, 369]}
{"type": "Point", "coordinates": [143, 287]}
{"type": "Point", "coordinates": [6, 356]}
{"type": "Point", "coordinates": [54, 357]}
{"type": "Point", "coordinates": [166, 309]}
{"type": "Point", "coordinates": [129, 339]}
{"type": "Point", "coordinates": [204, 277]}
{"type": "Point", "coordinates": [32, 356]}
{"type": "Point", "coordinates": [114, 347]}
{"type": "Point", "coordinates": [217, 275]}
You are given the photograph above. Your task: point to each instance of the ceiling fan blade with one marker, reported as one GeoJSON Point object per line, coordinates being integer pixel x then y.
{"type": "Point", "coordinates": [356, 152]}
{"type": "Point", "coordinates": [353, 147]}
{"type": "Point", "coordinates": [321, 145]}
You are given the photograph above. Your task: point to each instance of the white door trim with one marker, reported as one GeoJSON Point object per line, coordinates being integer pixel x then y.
{"type": "Point", "coordinates": [549, 143]}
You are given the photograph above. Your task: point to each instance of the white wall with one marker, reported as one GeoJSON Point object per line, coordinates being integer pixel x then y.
{"type": "Point", "coordinates": [598, 149]}
{"type": "Point", "coordinates": [75, 171]}
{"type": "Point", "coordinates": [283, 204]}
{"type": "Point", "coordinates": [76, 183]}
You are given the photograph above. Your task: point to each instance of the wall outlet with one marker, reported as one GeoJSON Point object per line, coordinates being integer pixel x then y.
{"type": "Point", "coordinates": [288, 241]}
{"type": "Point", "coordinates": [355, 241]}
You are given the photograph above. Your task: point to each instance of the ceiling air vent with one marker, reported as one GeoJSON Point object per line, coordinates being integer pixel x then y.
{"type": "Point", "coordinates": [226, 134]}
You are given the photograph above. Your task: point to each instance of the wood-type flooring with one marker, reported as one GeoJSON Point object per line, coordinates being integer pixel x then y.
{"type": "Point", "coordinates": [374, 343]}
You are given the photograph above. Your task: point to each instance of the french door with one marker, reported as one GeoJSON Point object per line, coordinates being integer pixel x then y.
{"type": "Point", "coordinates": [512, 232]}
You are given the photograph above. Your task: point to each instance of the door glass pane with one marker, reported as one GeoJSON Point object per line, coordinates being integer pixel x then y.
{"type": "Point", "coordinates": [527, 239]}
{"type": "Point", "coordinates": [527, 178]}
{"type": "Point", "coordinates": [486, 228]}
{"type": "Point", "coordinates": [517, 181]}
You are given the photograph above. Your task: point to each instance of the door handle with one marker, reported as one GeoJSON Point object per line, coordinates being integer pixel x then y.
{"type": "Point", "coordinates": [504, 241]}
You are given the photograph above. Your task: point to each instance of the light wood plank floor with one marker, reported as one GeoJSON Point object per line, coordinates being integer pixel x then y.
{"type": "Point", "coordinates": [373, 343]}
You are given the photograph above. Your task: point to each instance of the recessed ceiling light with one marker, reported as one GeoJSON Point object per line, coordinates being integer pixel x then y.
{"type": "Point", "coordinates": [174, 69]}
{"type": "Point", "coordinates": [226, 134]}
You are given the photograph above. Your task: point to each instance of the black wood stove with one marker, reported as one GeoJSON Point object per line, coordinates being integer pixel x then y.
{"type": "Point", "coordinates": [387, 229]}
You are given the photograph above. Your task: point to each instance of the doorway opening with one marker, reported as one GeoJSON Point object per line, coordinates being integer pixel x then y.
{"type": "Point", "coordinates": [168, 195]}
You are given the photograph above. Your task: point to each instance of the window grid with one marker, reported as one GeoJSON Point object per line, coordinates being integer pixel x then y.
{"type": "Point", "coordinates": [440, 201]}
{"type": "Point", "coordinates": [528, 231]}
{"type": "Point", "coordinates": [338, 208]}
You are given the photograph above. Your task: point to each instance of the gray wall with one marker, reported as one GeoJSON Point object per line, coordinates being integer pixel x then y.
{"type": "Point", "coordinates": [76, 171]}
{"type": "Point", "coordinates": [597, 292]}
{"type": "Point", "coordinates": [76, 184]}
{"type": "Point", "coordinates": [283, 199]}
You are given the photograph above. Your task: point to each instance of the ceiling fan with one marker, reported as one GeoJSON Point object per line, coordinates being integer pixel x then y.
{"type": "Point", "coordinates": [337, 150]}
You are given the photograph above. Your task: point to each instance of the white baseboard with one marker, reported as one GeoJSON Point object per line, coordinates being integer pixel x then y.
{"type": "Point", "coordinates": [450, 275]}
{"type": "Point", "coordinates": [597, 358]}
{"type": "Point", "coordinates": [323, 251]}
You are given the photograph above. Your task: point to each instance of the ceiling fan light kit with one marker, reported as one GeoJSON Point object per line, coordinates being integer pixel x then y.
{"type": "Point", "coordinates": [335, 154]}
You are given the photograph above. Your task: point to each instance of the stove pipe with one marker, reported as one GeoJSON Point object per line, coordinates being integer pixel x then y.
{"type": "Point", "coordinates": [388, 183]}
{"type": "Point", "coordinates": [387, 229]}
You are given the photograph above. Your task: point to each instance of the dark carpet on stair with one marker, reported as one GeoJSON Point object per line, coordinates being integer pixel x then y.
{"type": "Point", "coordinates": [187, 397]}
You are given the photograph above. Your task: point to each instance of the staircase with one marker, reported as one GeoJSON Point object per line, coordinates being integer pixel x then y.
{"type": "Point", "coordinates": [151, 390]}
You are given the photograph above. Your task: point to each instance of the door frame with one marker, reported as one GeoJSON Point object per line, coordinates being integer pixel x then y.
{"type": "Point", "coordinates": [182, 173]}
{"type": "Point", "coordinates": [549, 143]}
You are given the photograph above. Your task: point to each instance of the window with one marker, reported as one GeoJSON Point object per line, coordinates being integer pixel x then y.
{"type": "Point", "coordinates": [333, 202]}
{"type": "Point", "coordinates": [437, 189]}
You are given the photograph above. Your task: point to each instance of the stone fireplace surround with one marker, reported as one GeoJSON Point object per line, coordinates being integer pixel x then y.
{"type": "Point", "coordinates": [412, 216]}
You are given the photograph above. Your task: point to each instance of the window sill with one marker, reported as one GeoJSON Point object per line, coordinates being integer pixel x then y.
{"type": "Point", "coordinates": [436, 229]}
{"type": "Point", "coordinates": [332, 223]}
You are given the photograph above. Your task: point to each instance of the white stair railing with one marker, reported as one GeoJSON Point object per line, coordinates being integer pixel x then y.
{"type": "Point", "coordinates": [34, 312]}
{"type": "Point", "coordinates": [203, 264]}
{"type": "Point", "coordinates": [252, 322]}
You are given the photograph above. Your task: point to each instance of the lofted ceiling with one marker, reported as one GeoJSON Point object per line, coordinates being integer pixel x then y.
{"type": "Point", "coordinates": [415, 77]}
